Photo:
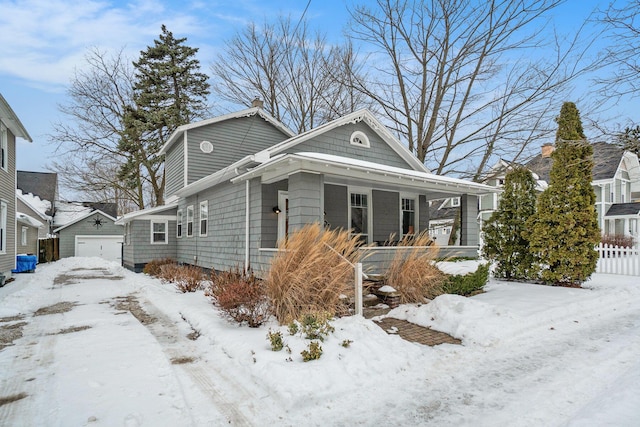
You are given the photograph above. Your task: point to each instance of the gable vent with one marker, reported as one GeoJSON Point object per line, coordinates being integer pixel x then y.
{"type": "Point", "coordinates": [206, 147]}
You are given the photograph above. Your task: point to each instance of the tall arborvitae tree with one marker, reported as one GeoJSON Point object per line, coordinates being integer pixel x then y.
{"type": "Point", "coordinates": [504, 242]}
{"type": "Point", "coordinates": [169, 91]}
{"type": "Point", "coordinates": [564, 231]}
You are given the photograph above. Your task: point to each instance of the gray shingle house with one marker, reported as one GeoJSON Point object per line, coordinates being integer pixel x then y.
{"type": "Point", "coordinates": [238, 183]}
{"type": "Point", "coordinates": [10, 129]}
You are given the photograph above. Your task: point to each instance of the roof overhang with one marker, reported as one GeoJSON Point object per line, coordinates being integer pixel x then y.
{"type": "Point", "coordinates": [11, 120]}
{"type": "Point", "coordinates": [25, 219]}
{"type": "Point", "coordinates": [151, 211]}
{"type": "Point", "coordinates": [355, 172]}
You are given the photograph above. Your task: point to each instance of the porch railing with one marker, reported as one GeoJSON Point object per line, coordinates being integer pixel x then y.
{"type": "Point", "coordinates": [618, 260]}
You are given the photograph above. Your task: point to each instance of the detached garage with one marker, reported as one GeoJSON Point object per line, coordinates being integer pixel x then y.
{"type": "Point", "coordinates": [92, 235]}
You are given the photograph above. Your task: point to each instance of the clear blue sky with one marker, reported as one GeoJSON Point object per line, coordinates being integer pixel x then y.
{"type": "Point", "coordinates": [43, 41]}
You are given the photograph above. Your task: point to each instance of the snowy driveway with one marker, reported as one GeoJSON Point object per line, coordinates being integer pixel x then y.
{"type": "Point", "coordinates": [89, 343]}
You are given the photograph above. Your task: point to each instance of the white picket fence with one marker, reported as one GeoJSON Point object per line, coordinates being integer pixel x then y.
{"type": "Point", "coordinates": [617, 260]}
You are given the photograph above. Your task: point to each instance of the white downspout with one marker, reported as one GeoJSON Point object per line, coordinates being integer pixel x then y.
{"type": "Point", "coordinates": [246, 231]}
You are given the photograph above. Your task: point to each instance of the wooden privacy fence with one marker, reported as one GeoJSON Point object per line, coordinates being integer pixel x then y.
{"type": "Point", "coordinates": [49, 249]}
{"type": "Point", "coordinates": [618, 260]}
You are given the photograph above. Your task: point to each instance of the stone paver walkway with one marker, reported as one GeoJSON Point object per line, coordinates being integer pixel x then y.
{"type": "Point", "coordinates": [410, 331]}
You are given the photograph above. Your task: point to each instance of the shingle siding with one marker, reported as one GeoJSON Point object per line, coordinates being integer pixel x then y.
{"type": "Point", "coordinates": [336, 206]}
{"type": "Point", "coordinates": [138, 249]}
{"type": "Point", "coordinates": [336, 142]}
{"type": "Point", "coordinates": [86, 227]}
{"type": "Point", "coordinates": [8, 195]}
{"type": "Point", "coordinates": [174, 168]}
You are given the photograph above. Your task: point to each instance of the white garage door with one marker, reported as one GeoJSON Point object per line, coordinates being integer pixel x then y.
{"type": "Point", "coordinates": [107, 247]}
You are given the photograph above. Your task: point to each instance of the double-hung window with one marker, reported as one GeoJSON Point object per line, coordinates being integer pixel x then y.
{"type": "Point", "coordinates": [3, 227]}
{"type": "Point", "coordinates": [23, 236]}
{"type": "Point", "coordinates": [179, 224]}
{"type": "Point", "coordinates": [204, 217]}
{"type": "Point", "coordinates": [190, 221]}
{"type": "Point", "coordinates": [408, 216]}
{"type": "Point", "coordinates": [359, 209]}
{"type": "Point", "coordinates": [159, 232]}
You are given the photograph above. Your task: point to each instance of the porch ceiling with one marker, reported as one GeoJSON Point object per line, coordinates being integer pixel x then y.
{"type": "Point", "coordinates": [342, 170]}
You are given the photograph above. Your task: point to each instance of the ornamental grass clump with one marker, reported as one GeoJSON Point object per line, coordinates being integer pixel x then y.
{"type": "Point", "coordinates": [312, 272]}
{"type": "Point", "coordinates": [412, 271]}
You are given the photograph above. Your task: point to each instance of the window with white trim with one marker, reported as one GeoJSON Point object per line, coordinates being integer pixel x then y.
{"type": "Point", "coordinates": [455, 201]}
{"type": "Point", "coordinates": [3, 227]}
{"type": "Point", "coordinates": [23, 236]}
{"type": "Point", "coordinates": [159, 232]}
{"type": "Point", "coordinates": [4, 153]}
{"type": "Point", "coordinates": [360, 139]}
{"type": "Point", "coordinates": [190, 221]}
{"type": "Point", "coordinates": [204, 217]}
{"type": "Point", "coordinates": [179, 223]}
{"type": "Point", "coordinates": [408, 216]}
{"type": "Point", "coordinates": [359, 208]}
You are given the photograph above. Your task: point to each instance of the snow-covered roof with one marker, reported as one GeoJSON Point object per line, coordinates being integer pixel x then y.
{"type": "Point", "coordinates": [84, 216]}
{"type": "Point", "coordinates": [236, 115]}
{"type": "Point", "coordinates": [35, 203]}
{"type": "Point", "coordinates": [69, 212]}
{"type": "Point", "coordinates": [28, 220]}
{"type": "Point", "coordinates": [133, 215]}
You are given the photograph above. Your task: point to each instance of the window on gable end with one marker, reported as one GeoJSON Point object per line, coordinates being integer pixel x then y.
{"type": "Point", "coordinates": [360, 139]}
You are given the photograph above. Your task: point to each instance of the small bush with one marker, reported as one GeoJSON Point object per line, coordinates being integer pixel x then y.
{"type": "Point", "coordinates": [275, 338]}
{"type": "Point", "coordinates": [467, 284]}
{"type": "Point", "coordinates": [618, 240]}
{"type": "Point", "coordinates": [309, 272]}
{"type": "Point", "coordinates": [189, 278]}
{"type": "Point", "coordinates": [241, 296]}
{"type": "Point", "coordinates": [316, 326]}
{"type": "Point", "coordinates": [412, 272]}
{"type": "Point", "coordinates": [153, 267]}
{"type": "Point", "coordinates": [313, 352]}
{"type": "Point", "coordinates": [293, 328]}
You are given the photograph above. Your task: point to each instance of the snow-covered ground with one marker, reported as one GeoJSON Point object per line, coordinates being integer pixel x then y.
{"type": "Point", "coordinates": [531, 356]}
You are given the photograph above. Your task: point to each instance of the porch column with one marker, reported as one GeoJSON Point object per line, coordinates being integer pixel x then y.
{"type": "Point", "coordinates": [469, 230]}
{"type": "Point", "coordinates": [306, 199]}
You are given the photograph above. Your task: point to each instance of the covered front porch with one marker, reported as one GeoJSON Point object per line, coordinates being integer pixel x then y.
{"type": "Point", "coordinates": [378, 203]}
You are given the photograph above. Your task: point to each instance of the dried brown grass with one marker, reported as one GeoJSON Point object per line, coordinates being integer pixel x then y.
{"type": "Point", "coordinates": [308, 274]}
{"type": "Point", "coordinates": [154, 267]}
{"type": "Point", "coordinates": [412, 271]}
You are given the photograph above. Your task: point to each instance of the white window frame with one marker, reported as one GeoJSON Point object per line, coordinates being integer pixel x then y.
{"type": "Point", "coordinates": [23, 235]}
{"type": "Point", "coordinates": [414, 197]}
{"type": "Point", "coordinates": [455, 202]}
{"type": "Point", "coordinates": [3, 227]}
{"type": "Point", "coordinates": [4, 147]}
{"type": "Point", "coordinates": [623, 191]}
{"type": "Point", "coordinates": [367, 192]}
{"type": "Point", "coordinates": [190, 220]}
{"type": "Point", "coordinates": [179, 220]}
{"type": "Point", "coordinates": [204, 206]}
{"type": "Point", "coordinates": [165, 232]}
{"type": "Point", "coordinates": [359, 136]}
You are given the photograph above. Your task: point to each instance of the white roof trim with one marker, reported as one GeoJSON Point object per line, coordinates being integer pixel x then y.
{"type": "Point", "coordinates": [238, 114]}
{"type": "Point", "coordinates": [354, 117]}
{"type": "Point", "coordinates": [11, 120]}
{"type": "Point", "coordinates": [134, 215]}
{"type": "Point", "coordinates": [83, 217]}
{"type": "Point", "coordinates": [23, 218]}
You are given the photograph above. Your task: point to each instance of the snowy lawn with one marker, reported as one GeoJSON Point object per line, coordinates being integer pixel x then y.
{"type": "Point", "coordinates": [531, 356]}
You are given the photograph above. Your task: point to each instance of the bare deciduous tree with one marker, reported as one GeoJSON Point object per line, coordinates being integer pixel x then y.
{"type": "Point", "coordinates": [464, 81]}
{"type": "Point", "coordinates": [297, 74]}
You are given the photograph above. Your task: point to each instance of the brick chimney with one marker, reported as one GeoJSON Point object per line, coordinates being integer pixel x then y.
{"type": "Point", "coordinates": [547, 149]}
{"type": "Point", "coordinates": [257, 103]}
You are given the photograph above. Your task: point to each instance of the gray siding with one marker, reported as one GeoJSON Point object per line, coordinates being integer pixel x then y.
{"type": "Point", "coordinates": [386, 215]}
{"type": "Point", "coordinates": [268, 219]}
{"type": "Point", "coordinates": [336, 142]}
{"type": "Point", "coordinates": [423, 212]}
{"type": "Point", "coordinates": [469, 231]}
{"type": "Point", "coordinates": [232, 140]}
{"type": "Point", "coordinates": [336, 206]}
{"type": "Point", "coordinates": [32, 240]}
{"type": "Point", "coordinates": [8, 195]}
{"type": "Point", "coordinates": [138, 249]}
{"type": "Point", "coordinates": [174, 167]}
{"type": "Point", "coordinates": [86, 228]}
{"type": "Point", "coordinates": [306, 199]}
{"type": "Point", "coordinates": [42, 231]}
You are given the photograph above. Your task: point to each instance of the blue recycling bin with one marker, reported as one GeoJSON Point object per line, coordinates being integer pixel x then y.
{"type": "Point", "coordinates": [25, 263]}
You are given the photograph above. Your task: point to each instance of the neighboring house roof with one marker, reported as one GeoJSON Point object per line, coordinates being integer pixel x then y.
{"type": "Point", "coordinates": [83, 217]}
{"type": "Point", "coordinates": [280, 166]}
{"type": "Point", "coordinates": [11, 120]}
{"type": "Point", "coordinates": [69, 212]}
{"type": "Point", "coordinates": [109, 208]}
{"type": "Point", "coordinates": [606, 159]}
{"type": "Point", "coordinates": [356, 116]}
{"type": "Point", "coordinates": [624, 209]}
{"type": "Point", "coordinates": [137, 214]}
{"type": "Point", "coordinates": [238, 114]}
{"type": "Point", "coordinates": [36, 204]}
{"type": "Point", "coordinates": [437, 212]}
{"type": "Point", "coordinates": [28, 220]}
{"type": "Point", "coordinates": [43, 185]}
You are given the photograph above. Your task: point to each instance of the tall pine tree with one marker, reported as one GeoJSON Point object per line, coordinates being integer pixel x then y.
{"type": "Point", "coordinates": [169, 91]}
{"type": "Point", "coordinates": [504, 240]}
{"type": "Point", "coordinates": [564, 230]}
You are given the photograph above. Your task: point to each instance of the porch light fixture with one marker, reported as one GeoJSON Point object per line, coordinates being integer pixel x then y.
{"type": "Point", "coordinates": [276, 209]}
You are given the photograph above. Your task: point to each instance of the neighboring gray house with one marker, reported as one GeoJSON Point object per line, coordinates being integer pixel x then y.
{"type": "Point", "coordinates": [240, 182]}
{"type": "Point", "coordinates": [616, 174]}
{"type": "Point", "coordinates": [27, 232]}
{"type": "Point", "coordinates": [35, 208]}
{"type": "Point", "coordinates": [93, 234]}
{"type": "Point", "coordinates": [10, 128]}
